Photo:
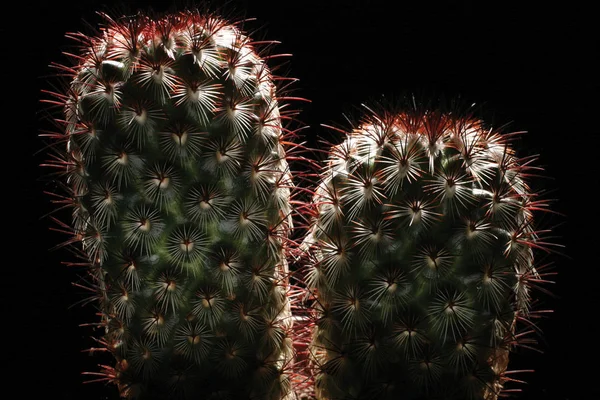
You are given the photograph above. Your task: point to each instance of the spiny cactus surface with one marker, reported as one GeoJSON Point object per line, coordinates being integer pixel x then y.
{"type": "Point", "coordinates": [420, 258]}
{"type": "Point", "coordinates": [172, 159]}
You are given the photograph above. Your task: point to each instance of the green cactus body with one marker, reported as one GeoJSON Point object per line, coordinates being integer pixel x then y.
{"type": "Point", "coordinates": [176, 172]}
{"type": "Point", "coordinates": [420, 258]}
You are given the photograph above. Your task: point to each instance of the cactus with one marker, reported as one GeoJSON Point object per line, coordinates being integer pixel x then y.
{"type": "Point", "coordinates": [173, 161]}
{"type": "Point", "coordinates": [419, 257]}
{"type": "Point", "coordinates": [171, 156]}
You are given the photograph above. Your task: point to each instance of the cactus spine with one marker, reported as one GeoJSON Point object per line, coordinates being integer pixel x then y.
{"type": "Point", "coordinates": [420, 257]}
{"type": "Point", "coordinates": [171, 152]}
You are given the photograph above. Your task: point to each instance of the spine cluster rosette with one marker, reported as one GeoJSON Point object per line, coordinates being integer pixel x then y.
{"type": "Point", "coordinates": [419, 258]}
{"type": "Point", "coordinates": [172, 155]}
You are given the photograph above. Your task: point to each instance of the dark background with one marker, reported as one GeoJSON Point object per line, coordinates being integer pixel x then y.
{"type": "Point", "coordinates": [534, 67]}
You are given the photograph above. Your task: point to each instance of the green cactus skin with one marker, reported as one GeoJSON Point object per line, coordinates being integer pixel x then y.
{"type": "Point", "coordinates": [173, 157]}
{"type": "Point", "coordinates": [420, 257]}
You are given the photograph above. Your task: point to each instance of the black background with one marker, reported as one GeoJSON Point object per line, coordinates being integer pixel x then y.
{"type": "Point", "coordinates": [534, 67]}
